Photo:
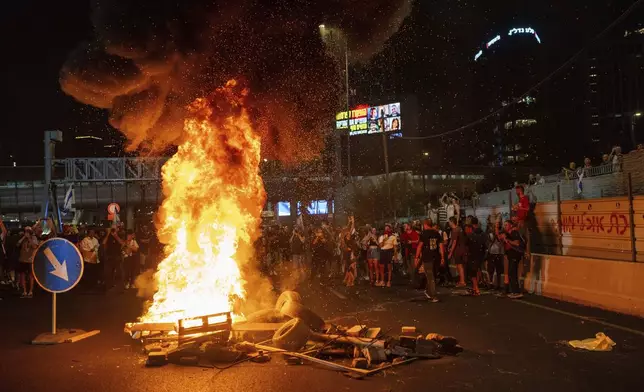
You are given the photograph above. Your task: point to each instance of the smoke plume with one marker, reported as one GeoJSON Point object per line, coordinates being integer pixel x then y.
{"type": "Point", "coordinates": [150, 58]}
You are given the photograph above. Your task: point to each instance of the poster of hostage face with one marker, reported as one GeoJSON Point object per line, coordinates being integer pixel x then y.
{"type": "Point", "coordinates": [384, 118]}
{"type": "Point", "coordinates": [371, 119]}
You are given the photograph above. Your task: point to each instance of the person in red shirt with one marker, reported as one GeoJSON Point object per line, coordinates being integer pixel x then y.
{"type": "Point", "coordinates": [409, 239]}
{"type": "Point", "coordinates": [523, 206]}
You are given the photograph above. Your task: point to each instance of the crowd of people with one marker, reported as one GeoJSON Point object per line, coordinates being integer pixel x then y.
{"type": "Point", "coordinates": [424, 252]}
{"type": "Point", "coordinates": [419, 252]}
{"type": "Point", "coordinates": [112, 256]}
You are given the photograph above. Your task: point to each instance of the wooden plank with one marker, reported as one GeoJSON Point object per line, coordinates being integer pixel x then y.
{"type": "Point", "coordinates": [133, 327]}
{"type": "Point", "coordinates": [244, 326]}
{"type": "Point", "coordinates": [85, 335]}
{"type": "Point", "coordinates": [362, 342]}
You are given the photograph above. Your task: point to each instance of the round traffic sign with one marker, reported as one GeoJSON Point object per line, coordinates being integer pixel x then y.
{"type": "Point", "coordinates": [57, 265]}
{"type": "Point", "coordinates": [113, 208]}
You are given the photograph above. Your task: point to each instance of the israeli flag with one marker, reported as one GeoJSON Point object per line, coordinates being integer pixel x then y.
{"type": "Point", "coordinates": [69, 201]}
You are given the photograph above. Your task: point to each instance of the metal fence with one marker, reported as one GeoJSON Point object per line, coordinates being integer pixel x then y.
{"type": "Point", "coordinates": [567, 175]}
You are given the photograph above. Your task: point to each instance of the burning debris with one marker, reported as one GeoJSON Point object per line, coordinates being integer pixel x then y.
{"type": "Point", "coordinates": [291, 330]}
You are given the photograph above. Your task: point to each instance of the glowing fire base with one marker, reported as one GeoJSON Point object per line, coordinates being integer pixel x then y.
{"type": "Point", "coordinates": [216, 327]}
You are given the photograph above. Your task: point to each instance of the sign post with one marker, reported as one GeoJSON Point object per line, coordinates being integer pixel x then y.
{"type": "Point", "coordinates": [58, 267]}
{"type": "Point", "coordinates": [113, 210]}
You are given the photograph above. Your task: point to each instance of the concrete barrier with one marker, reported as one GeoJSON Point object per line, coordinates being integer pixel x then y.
{"type": "Point", "coordinates": [607, 284]}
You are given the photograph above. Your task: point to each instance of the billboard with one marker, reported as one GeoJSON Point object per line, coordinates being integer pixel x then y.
{"type": "Point", "coordinates": [370, 119]}
{"type": "Point", "coordinates": [317, 207]}
{"type": "Point", "coordinates": [283, 208]}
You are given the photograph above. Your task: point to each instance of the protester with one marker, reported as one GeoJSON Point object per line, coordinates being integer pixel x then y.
{"type": "Point", "coordinates": [89, 250]}
{"type": "Point", "coordinates": [451, 204]}
{"type": "Point", "coordinates": [532, 180]}
{"type": "Point", "coordinates": [522, 208]}
{"type": "Point", "coordinates": [320, 254]}
{"type": "Point", "coordinates": [131, 259]}
{"type": "Point", "coordinates": [297, 248]}
{"type": "Point", "coordinates": [476, 255]}
{"type": "Point", "coordinates": [370, 241]}
{"type": "Point", "coordinates": [70, 233]}
{"type": "Point", "coordinates": [28, 245]}
{"type": "Point", "coordinates": [112, 245]}
{"type": "Point", "coordinates": [387, 242]}
{"type": "Point", "coordinates": [587, 163]}
{"type": "Point", "coordinates": [442, 270]}
{"type": "Point", "coordinates": [458, 250]}
{"type": "Point", "coordinates": [430, 252]}
{"type": "Point", "coordinates": [495, 254]}
{"type": "Point", "coordinates": [409, 240]}
{"type": "Point", "coordinates": [616, 158]}
{"type": "Point", "coordinates": [144, 239]}
{"type": "Point", "coordinates": [540, 180]}
{"type": "Point", "coordinates": [514, 249]}
{"type": "Point", "coordinates": [349, 252]}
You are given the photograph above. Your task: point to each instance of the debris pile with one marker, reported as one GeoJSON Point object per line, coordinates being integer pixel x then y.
{"type": "Point", "coordinates": [291, 330]}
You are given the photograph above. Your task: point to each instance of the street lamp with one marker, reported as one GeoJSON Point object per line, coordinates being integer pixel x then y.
{"type": "Point", "coordinates": [328, 30]}
{"type": "Point", "coordinates": [633, 138]}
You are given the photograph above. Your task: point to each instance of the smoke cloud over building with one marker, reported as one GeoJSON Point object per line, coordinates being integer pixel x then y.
{"type": "Point", "coordinates": [149, 59]}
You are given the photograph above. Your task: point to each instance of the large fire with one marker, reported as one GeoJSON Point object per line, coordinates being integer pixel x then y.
{"type": "Point", "coordinates": [213, 201]}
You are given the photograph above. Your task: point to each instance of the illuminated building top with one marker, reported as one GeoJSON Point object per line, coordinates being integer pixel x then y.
{"type": "Point", "coordinates": [511, 32]}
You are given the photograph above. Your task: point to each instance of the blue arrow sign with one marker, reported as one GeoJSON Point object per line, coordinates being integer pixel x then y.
{"type": "Point", "coordinates": [58, 265]}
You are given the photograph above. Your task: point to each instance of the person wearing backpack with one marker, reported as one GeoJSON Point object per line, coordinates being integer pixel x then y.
{"type": "Point", "coordinates": [514, 246]}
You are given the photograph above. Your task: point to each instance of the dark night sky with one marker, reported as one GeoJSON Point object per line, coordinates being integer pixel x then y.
{"type": "Point", "coordinates": [438, 38]}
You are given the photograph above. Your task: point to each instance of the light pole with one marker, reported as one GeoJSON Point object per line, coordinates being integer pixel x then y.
{"type": "Point", "coordinates": [633, 138]}
{"type": "Point", "coordinates": [324, 30]}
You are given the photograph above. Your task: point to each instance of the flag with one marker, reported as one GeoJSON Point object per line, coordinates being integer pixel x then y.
{"type": "Point", "coordinates": [69, 201]}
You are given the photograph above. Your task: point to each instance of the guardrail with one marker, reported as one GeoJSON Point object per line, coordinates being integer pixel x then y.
{"type": "Point", "coordinates": [594, 171]}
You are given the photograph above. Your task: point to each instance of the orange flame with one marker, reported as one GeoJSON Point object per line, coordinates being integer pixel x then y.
{"type": "Point", "coordinates": [211, 212]}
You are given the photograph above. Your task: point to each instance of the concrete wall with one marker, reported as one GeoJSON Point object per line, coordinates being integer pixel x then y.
{"type": "Point", "coordinates": [607, 284]}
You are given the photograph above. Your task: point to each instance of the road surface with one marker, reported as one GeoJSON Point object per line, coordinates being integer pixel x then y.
{"type": "Point", "coordinates": [509, 346]}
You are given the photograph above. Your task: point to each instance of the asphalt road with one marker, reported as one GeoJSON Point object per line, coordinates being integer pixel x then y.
{"type": "Point", "coordinates": [509, 346]}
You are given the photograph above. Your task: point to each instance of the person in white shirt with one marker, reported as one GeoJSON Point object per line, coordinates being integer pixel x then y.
{"type": "Point", "coordinates": [387, 242]}
{"type": "Point", "coordinates": [130, 259]}
{"type": "Point", "coordinates": [89, 250]}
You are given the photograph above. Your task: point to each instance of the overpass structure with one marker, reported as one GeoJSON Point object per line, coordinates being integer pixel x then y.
{"type": "Point", "coordinates": [133, 183]}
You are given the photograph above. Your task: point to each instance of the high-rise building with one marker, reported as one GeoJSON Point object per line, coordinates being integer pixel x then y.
{"type": "Point", "coordinates": [505, 66]}
{"type": "Point", "coordinates": [614, 75]}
